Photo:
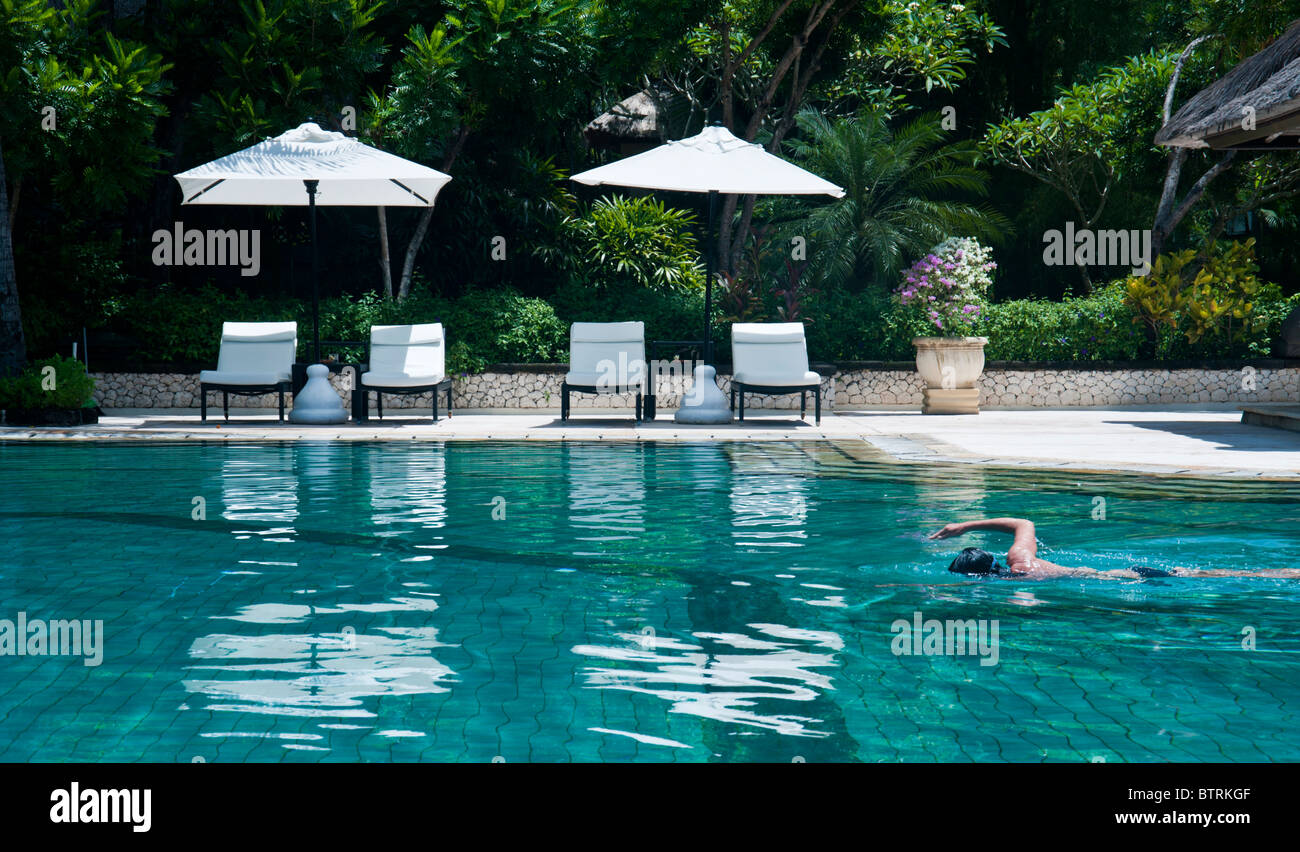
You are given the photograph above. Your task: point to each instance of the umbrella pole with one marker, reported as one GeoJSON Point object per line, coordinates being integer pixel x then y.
{"type": "Point", "coordinates": [315, 296]}
{"type": "Point", "coordinates": [710, 266]}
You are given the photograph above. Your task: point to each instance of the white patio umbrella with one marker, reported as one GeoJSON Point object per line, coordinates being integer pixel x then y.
{"type": "Point", "coordinates": [310, 166]}
{"type": "Point", "coordinates": [714, 161]}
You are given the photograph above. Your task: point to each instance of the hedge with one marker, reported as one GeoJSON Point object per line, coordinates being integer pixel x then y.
{"type": "Point", "coordinates": [504, 326]}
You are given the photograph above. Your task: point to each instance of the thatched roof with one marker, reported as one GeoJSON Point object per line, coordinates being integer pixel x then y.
{"type": "Point", "coordinates": [1268, 83]}
{"type": "Point", "coordinates": [634, 119]}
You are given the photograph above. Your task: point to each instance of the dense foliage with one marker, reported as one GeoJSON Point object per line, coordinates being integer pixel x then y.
{"type": "Point", "coordinates": [940, 119]}
{"type": "Point", "coordinates": [502, 326]}
{"type": "Point", "coordinates": [57, 383]}
{"type": "Point", "coordinates": [629, 243]}
{"type": "Point", "coordinates": [905, 190]}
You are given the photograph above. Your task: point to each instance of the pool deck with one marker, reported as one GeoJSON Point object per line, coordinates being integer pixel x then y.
{"type": "Point", "coordinates": [1201, 440]}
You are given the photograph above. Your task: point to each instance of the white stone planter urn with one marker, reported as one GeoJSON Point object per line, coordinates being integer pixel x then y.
{"type": "Point", "coordinates": [950, 367]}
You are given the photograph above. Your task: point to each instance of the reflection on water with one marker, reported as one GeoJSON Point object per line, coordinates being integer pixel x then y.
{"type": "Point", "coordinates": [332, 669]}
{"type": "Point", "coordinates": [409, 494]}
{"type": "Point", "coordinates": [735, 678]}
{"type": "Point", "coordinates": [318, 673]}
{"type": "Point", "coordinates": [606, 494]}
{"type": "Point", "coordinates": [260, 489]}
{"type": "Point", "coordinates": [770, 509]}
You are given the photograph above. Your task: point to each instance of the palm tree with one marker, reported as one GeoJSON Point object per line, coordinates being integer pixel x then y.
{"type": "Point", "coordinates": [903, 194]}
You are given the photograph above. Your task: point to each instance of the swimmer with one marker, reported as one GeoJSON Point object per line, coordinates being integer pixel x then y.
{"type": "Point", "coordinates": [1023, 561]}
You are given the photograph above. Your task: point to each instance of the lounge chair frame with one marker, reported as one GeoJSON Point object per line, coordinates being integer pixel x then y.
{"type": "Point", "coordinates": [443, 386]}
{"type": "Point", "coordinates": [742, 388]}
{"type": "Point", "coordinates": [645, 403]}
{"type": "Point", "coordinates": [239, 390]}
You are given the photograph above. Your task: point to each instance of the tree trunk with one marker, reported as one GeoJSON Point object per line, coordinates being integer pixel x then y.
{"type": "Point", "coordinates": [13, 349]}
{"type": "Point", "coordinates": [1085, 278]}
{"type": "Point", "coordinates": [408, 264]}
{"type": "Point", "coordinates": [726, 221]}
{"type": "Point", "coordinates": [13, 202]}
{"type": "Point", "coordinates": [1167, 214]}
{"type": "Point", "coordinates": [385, 264]}
{"type": "Point", "coordinates": [412, 249]}
{"type": "Point", "coordinates": [1160, 228]}
{"type": "Point", "coordinates": [732, 236]}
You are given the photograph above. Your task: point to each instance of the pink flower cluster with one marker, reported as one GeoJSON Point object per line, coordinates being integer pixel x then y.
{"type": "Point", "coordinates": [948, 285]}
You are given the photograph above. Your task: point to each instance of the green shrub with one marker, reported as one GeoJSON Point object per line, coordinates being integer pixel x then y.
{"type": "Point", "coordinates": [179, 326]}
{"type": "Point", "coordinates": [1209, 304]}
{"type": "Point", "coordinates": [68, 387]}
{"type": "Point", "coordinates": [172, 325]}
{"type": "Point", "coordinates": [667, 314]}
{"type": "Point", "coordinates": [640, 242]}
{"type": "Point", "coordinates": [1098, 327]}
{"type": "Point", "coordinates": [81, 284]}
{"type": "Point", "coordinates": [844, 326]}
{"type": "Point", "coordinates": [350, 318]}
{"type": "Point", "coordinates": [1257, 340]}
{"type": "Point", "coordinates": [868, 326]}
{"type": "Point", "coordinates": [502, 326]}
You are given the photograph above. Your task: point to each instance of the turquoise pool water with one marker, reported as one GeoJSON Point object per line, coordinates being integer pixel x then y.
{"type": "Point", "coordinates": [626, 602]}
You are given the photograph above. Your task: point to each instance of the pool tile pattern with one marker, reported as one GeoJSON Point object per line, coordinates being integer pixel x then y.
{"type": "Point", "coordinates": [632, 602]}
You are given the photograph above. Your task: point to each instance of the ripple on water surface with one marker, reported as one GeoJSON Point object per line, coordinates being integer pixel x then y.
{"type": "Point", "coordinates": [675, 602]}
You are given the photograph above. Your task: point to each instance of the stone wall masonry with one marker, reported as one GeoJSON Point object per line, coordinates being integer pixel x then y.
{"type": "Point", "coordinates": [847, 387]}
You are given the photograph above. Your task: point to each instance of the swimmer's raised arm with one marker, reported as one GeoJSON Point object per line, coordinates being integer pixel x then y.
{"type": "Point", "coordinates": [1023, 549]}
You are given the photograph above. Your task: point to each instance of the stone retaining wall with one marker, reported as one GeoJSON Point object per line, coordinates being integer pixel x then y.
{"type": "Point", "coordinates": [848, 387]}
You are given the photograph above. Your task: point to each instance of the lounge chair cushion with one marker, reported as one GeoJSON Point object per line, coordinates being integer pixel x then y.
{"type": "Point", "coordinates": [767, 332]}
{"type": "Point", "coordinates": [254, 353]}
{"type": "Point", "coordinates": [405, 356]}
{"type": "Point", "coordinates": [771, 354]}
{"type": "Point", "coordinates": [634, 375]}
{"type": "Point", "coordinates": [231, 377]}
{"type": "Point", "coordinates": [606, 354]}
{"type": "Point", "coordinates": [778, 380]}
{"type": "Point", "coordinates": [607, 332]}
{"type": "Point", "coordinates": [399, 380]}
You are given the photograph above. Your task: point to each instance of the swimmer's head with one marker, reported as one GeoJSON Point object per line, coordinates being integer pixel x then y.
{"type": "Point", "coordinates": [972, 560]}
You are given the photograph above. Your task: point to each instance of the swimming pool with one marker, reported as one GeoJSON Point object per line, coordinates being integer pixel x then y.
{"type": "Point", "coordinates": [627, 602]}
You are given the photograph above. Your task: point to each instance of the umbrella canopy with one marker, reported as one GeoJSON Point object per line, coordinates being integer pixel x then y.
{"type": "Point", "coordinates": [713, 161]}
{"type": "Point", "coordinates": [350, 174]}
{"type": "Point", "coordinates": [307, 166]}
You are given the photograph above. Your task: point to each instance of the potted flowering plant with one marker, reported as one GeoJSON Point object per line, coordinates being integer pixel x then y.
{"type": "Point", "coordinates": [948, 290]}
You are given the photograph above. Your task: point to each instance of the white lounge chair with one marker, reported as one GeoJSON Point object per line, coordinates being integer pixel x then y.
{"type": "Point", "coordinates": [255, 358]}
{"type": "Point", "coordinates": [606, 357]}
{"type": "Point", "coordinates": [772, 358]}
{"type": "Point", "coordinates": [405, 359]}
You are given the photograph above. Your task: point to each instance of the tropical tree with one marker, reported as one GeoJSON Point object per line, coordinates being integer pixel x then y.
{"type": "Point", "coordinates": [80, 108]}
{"type": "Point", "coordinates": [511, 62]}
{"type": "Point", "coordinates": [637, 242]}
{"type": "Point", "coordinates": [283, 62]}
{"type": "Point", "coordinates": [905, 190]}
{"type": "Point", "coordinates": [1255, 181]}
{"type": "Point", "coordinates": [1082, 145]}
{"type": "Point", "coordinates": [781, 52]}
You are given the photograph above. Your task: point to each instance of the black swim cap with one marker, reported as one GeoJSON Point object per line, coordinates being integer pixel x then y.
{"type": "Point", "coordinates": [972, 560]}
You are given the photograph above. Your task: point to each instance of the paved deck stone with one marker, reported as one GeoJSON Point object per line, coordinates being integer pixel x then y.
{"type": "Point", "coordinates": [1205, 440]}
